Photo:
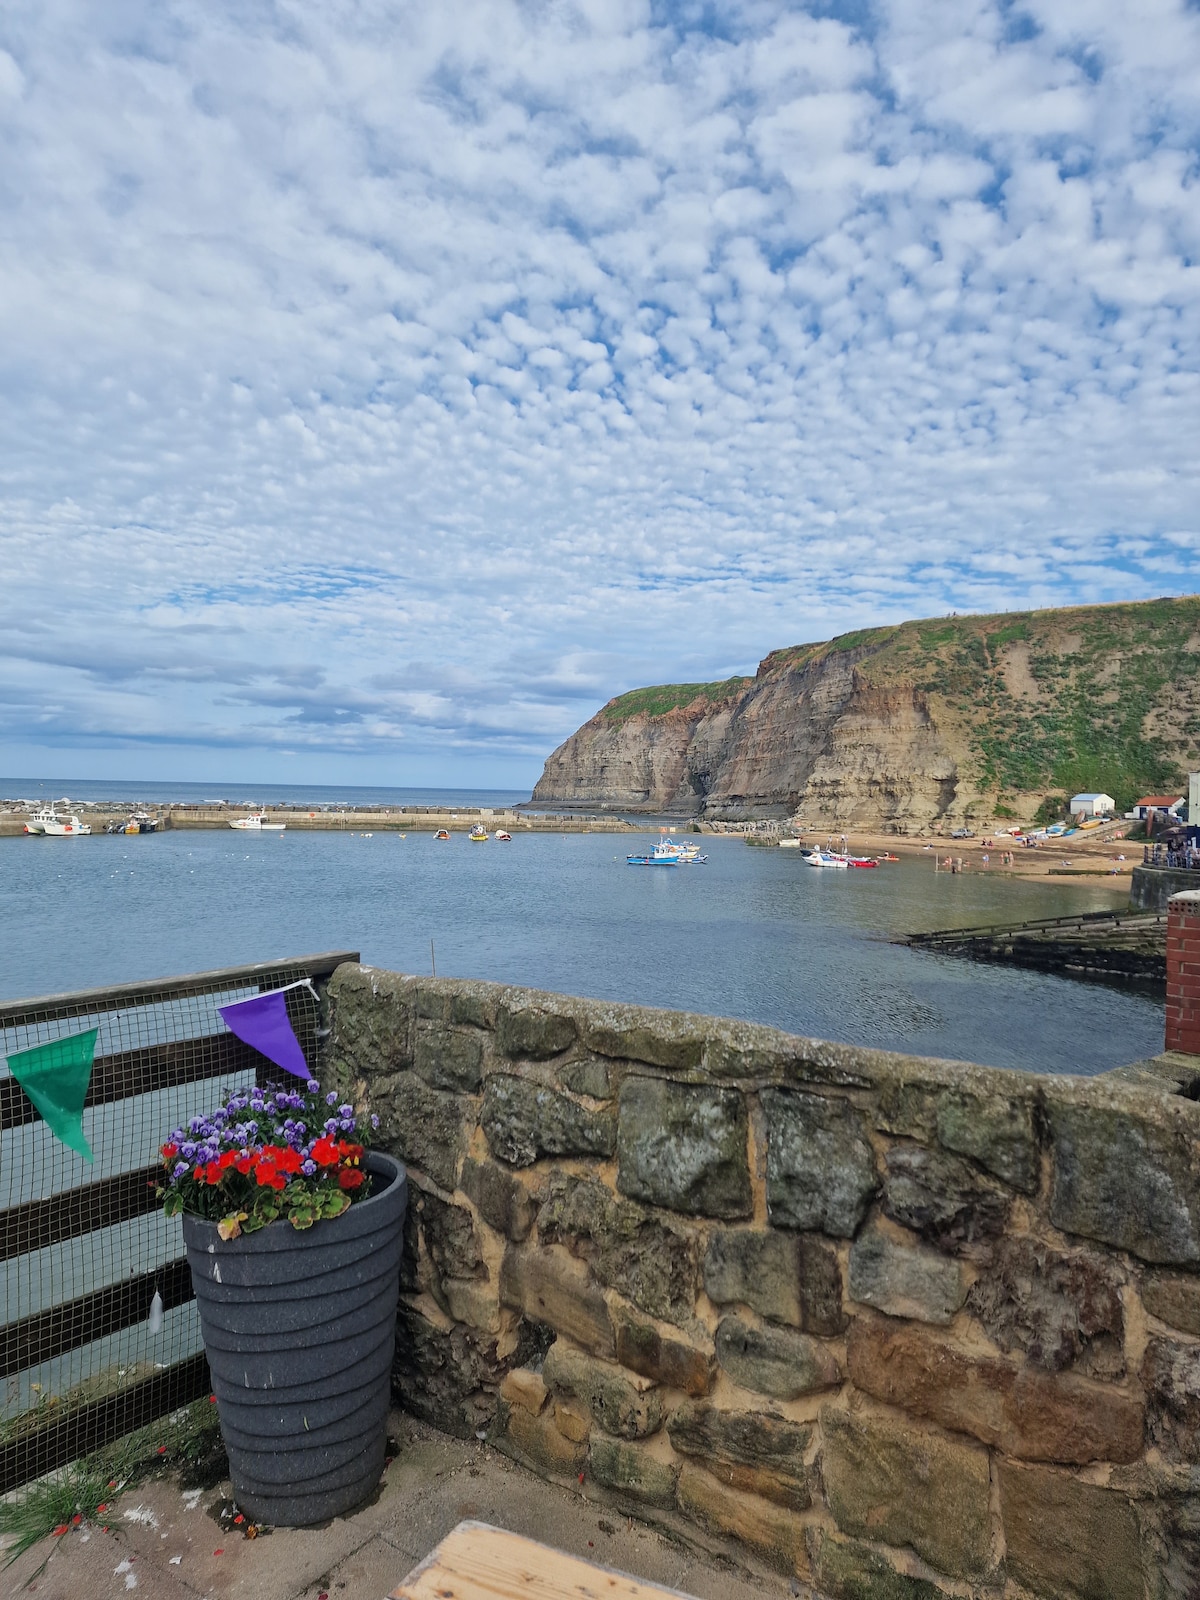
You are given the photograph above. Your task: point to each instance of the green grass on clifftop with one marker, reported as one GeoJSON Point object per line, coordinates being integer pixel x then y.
{"type": "Point", "coordinates": [656, 702]}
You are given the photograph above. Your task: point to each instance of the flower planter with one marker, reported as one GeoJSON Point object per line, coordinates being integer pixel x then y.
{"type": "Point", "coordinates": [299, 1328]}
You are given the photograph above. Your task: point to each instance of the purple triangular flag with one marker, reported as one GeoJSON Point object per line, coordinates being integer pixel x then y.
{"type": "Point", "coordinates": [262, 1022]}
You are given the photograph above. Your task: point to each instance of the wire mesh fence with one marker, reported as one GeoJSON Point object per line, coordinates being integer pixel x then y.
{"type": "Point", "coordinates": [84, 1248]}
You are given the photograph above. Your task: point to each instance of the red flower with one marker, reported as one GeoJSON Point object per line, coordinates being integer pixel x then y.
{"type": "Point", "coordinates": [247, 1161]}
{"type": "Point", "coordinates": [349, 1152]}
{"type": "Point", "coordinates": [169, 1150]}
{"type": "Point", "coordinates": [212, 1172]}
{"type": "Point", "coordinates": [228, 1157]}
{"type": "Point", "coordinates": [288, 1160]}
{"type": "Point", "coordinates": [265, 1174]}
{"type": "Point", "coordinates": [351, 1177]}
{"type": "Point", "coordinates": [325, 1152]}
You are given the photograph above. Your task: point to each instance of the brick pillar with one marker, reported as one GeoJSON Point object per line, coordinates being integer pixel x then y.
{"type": "Point", "coordinates": [1183, 972]}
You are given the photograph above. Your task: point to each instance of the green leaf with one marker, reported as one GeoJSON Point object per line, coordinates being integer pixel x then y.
{"type": "Point", "coordinates": [173, 1203]}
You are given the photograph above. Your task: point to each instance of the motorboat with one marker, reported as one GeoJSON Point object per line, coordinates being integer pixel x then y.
{"type": "Point", "coordinates": [861, 861]}
{"type": "Point", "coordinates": [257, 822]}
{"type": "Point", "coordinates": [39, 818]}
{"type": "Point", "coordinates": [139, 822]}
{"type": "Point", "coordinates": [826, 858]}
{"type": "Point", "coordinates": [684, 853]}
{"type": "Point", "coordinates": [478, 834]}
{"type": "Point", "coordinates": [653, 858]}
{"type": "Point", "coordinates": [503, 835]}
{"type": "Point", "coordinates": [442, 833]}
{"type": "Point", "coordinates": [47, 822]}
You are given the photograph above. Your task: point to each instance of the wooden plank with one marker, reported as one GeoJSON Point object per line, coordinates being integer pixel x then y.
{"type": "Point", "coordinates": [97, 1424]}
{"type": "Point", "coordinates": [478, 1562]}
{"type": "Point", "coordinates": [40, 1223]}
{"type": "Point", "coordinates": [134, 1072]}
{"type": "Point", "coordinates": [117, 997]}
{"type": "Point", "coordinates": [51, 1333]}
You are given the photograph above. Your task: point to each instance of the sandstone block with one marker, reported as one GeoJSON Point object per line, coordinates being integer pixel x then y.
{"type": "Point", "coordinates": [904, 1485]}
{"type": "Point", "coordinates": [684, 1147]}
{"type": "Point", "coordinates": [750, 1450]}
{"type": "Point", "coordinates": [666, 1358]}
{"type": "Point", "coordinates": [631, 1470]}
{"type": "Point", "coordinates": [572, 1421]}
{"type": "Point", "coordinates": [524, 1387]}
{"type": "Point", "coordinates": [775, 1361]}
{"type": "Point", "coordinates": [448, 1058]}
{"type": "Point", "coordinates": [820, 1167]}
{"type": "Point", "coordinates": [1171, 1379]}
{"type": "Point", "coordinates": [1038, 1416]}
{"type": "Point", "coordinates": [775, 1532]}
{"type": "Point", "coordinates": [450, 1237]}
{"type": "Point", "coordinates": [650, 1262]}
{"type": "Point", "coordinates": [425, 1127]}
{"type": "Point", "coordinates": [1060, 1310]}
{"type": "Point", "coordinates": [503, 1201]}
{"type": "Point", "coordinates": [448, 1377]}
{"type": "Point", "coordinates": [848, 1570]}
{"type": "Point", "coordinates": [942, 1197]}
{"type": "Point", "coordinates": [537, 1442]}
{"type": "Point", "coordinates": [532, 1032]}
{"type": "Point", "coordinates": [995, 1131]}
{"type": "Point", "coordinates": [523, 1121]}
{"type": "Point", "coordinates": [905, 1280]}
{"type": "Point", "coordinates": [628, 1408]}
{"type": "Point", "coordinates": [781, 1276]}
{"type": "Point", "coordinates": [1127, 1181]}
{"type": "Point", "coordinates": [588, 1076]}
{"type": "Point", "coordinates": [550, 1286]}
{"type": "Point", "coordinates": [1069, 1540]}
{"type": "Point", "coordinates": [1174, 1298]}
{"type": "Point", "coordinates": [477, 1304]}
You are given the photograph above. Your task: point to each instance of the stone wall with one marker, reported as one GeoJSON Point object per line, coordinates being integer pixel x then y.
{"type": "Point", "coordinates": [901, 1328]}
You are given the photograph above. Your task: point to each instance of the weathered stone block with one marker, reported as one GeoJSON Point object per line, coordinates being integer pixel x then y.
{"type": "Point", "coordinates": [372, 1023]}
{"type": "Point", "coordinates": [537, 1442]}
{"type": "Point", "coordinates": [1069, 1540]}
{"type": "Point", "coordinates": [1171, 1378]}
{"type": "Point", "coordinates": [905, 1280]}
{"type": "Point", "coordinates": [524, 1387]}
{"type": "Point", "coordinates": [448, 1377]}
{"type": "Point", "coordinates": [1060, 1310]}
{"type": "Point", "coordinates": [1035, 1415]}
{"type": "Point", "coordinates": [820, 1166]}
{"type": "Point", "coordinates": [1174, 1298]}
{"type": "Point", "coordinates": [774, 1361]}
{"type": "Point", "coordinates": [659, 1038]}
{"type": "Point", "coordinates": [523, 1121]}
{"type": "Point", "coordinates": [628, 1408]}
{"type": "Point", "coordinates": [666, 1358]}
{"type": "Point", "coordinates": [550, 1286]}
{"type": "Point", "coordinates": [764, 1454]}
{"type": "Point", "coordinates": [994, 1130]}
{"type": "Point", "coordinates": [450, 1237]}
{"type": "Point", "coordinates": [470, 1301]}
{"type": "Point", "coordinates": [774, 1531]}
{"type": "Point", "coordinates": [630, 1469]}
{"type": "Point", "coordinates": [572, 1421]}
{"type": "Point", "coordinates": [781, 1276]}
{"type": "Point", "coordinates": [903, 1485]}
{"type": "Point", "coordinates": [1126, 1180]}
{"type": "Point", "coordinates": [651, 1263]}
{"type": "Point", "coordinates": [503, 1200]}
{"type": "Point", "coordinates": [532, 1032]}
{"type": "Point", "coordinates": [848, 1570]}
{"type": "Point", "coordinates": [942, 1197]}
{"type": "Point", "coordinates": [684, 1148]}
{"type": "Point", "coordinates": [425, 1127]}
{"type": "Point", "coordinates": [472, 1003]}
{"type": "Point", "coordinates": [589, 1076]}
{"type": "Point", "coordinates": [448, 1058]}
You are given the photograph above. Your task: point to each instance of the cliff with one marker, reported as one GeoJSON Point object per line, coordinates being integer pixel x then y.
{"type": "Point", "coordinates": [939, 720]}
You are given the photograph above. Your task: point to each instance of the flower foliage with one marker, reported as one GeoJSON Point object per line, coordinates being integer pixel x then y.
{"type": "Point", "coordinates": [268, 1154]}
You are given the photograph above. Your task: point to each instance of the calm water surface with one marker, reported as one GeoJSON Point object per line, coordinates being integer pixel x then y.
{"type": "Point", "coordinates": [755, 934]}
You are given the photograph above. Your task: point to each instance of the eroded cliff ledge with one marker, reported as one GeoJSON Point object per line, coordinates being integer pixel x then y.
{"type": "Point", "coordinates": [906, 726]}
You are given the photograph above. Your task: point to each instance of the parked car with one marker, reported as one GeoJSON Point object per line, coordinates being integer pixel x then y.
{"type": "Point", "coordinates": [963, 833]}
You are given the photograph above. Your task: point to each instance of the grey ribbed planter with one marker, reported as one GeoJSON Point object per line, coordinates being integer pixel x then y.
{"type": "Point", "coordinates": [299, 1329]}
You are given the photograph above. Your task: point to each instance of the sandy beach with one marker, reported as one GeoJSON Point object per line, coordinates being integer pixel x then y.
{"type": "Point", "coordinates": [1051, 861]}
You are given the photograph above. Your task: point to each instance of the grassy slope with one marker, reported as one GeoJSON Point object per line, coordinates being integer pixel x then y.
{"type": "Point", "coordinates": [1115, 701]}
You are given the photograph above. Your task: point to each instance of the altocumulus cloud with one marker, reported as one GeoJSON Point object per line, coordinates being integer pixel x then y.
{"type": "Point", "coordinates": [392, 383]}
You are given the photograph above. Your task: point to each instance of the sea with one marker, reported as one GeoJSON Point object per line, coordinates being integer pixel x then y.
{"type": "Point", "coordinates": [751, 933]}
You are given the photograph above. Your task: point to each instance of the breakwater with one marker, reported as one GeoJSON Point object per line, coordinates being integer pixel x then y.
{"type": "Point", "coordinates": [899, 1327]}
{"type": "Point", "coordinates": [348, 819]}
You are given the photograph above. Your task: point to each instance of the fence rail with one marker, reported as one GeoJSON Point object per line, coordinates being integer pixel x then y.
{"type": "Point", "coordinates": [84, 1250]}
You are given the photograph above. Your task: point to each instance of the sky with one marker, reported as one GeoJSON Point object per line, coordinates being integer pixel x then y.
{"type": "Point", "coordinates": [384, 385]}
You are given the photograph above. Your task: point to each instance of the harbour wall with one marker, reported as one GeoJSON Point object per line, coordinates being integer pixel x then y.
{"type": "Point", "coordinates": [415, 820]}
{"type": "Point", "coordinates": [900, 1328]}
{"type": "Point", "coordinates": [1151, 887]}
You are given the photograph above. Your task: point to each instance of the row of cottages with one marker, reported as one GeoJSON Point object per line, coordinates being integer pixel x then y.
{"type": "Point", "coordinates": [1103, 805]}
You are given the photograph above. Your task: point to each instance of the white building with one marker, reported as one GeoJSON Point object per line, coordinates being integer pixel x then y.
{"type": "Point", "coordinates": [1092, 805]}
{"type": "Point", "coordinates": [1168, 804]}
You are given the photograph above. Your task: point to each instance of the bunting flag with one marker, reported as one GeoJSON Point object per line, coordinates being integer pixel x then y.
{"type": "Point", "coordinates": [55, 1076]}
{"type": "Point", "coordinates": [262, 1023]}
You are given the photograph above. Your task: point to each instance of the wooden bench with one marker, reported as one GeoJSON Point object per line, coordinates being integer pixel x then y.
{"type": "Point", "coordinates": [478, 1562]}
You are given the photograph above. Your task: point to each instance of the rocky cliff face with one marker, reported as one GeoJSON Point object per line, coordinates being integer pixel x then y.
{"type": "Point", "coordinates": [902, 727]}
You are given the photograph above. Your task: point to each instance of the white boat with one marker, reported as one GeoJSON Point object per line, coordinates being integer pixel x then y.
{"type": "Point", "coordinates": [478, 834]}
{"type": "Point", "coordinates": [39, 818]}
{"type": "Point", "coordinates": [46, 820]}
{"type": "Point", "coordinates": [503, 835]}
{"type": "Point", "coordinates": [257, 822]}
{"type": "Point", "coordinates": [825, 858]}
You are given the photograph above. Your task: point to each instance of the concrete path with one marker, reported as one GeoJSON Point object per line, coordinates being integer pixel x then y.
{"type": "Point", "coordinates": [166, 1544]}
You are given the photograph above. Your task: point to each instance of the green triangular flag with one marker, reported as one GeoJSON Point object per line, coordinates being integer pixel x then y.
{"type": "Point", "coordinates": [55, 1077]}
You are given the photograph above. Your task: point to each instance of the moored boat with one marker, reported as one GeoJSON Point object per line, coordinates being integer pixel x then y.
{"type": "Point", "coordinates": [442, 833]}
{"type": "Point", "coordinates": [861, 861]}
{"type": "Point", "coordinates": [257, 822]}
{"type": "Point", "coordinates": [478, 834]}
{"type": "Point", "coordinates": [826, 858]}
{"type": "Point", "coordinates": [503, 835]}
{"type": "Point", "coordinates": [62, 828]}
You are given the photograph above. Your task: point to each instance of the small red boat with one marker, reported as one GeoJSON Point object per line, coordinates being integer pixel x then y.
{"type": "Point", "coordinates": [861, 861]}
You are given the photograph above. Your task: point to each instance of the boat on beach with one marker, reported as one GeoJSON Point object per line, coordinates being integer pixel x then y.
{"type": "Point", "coordinates": [257, 822]}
